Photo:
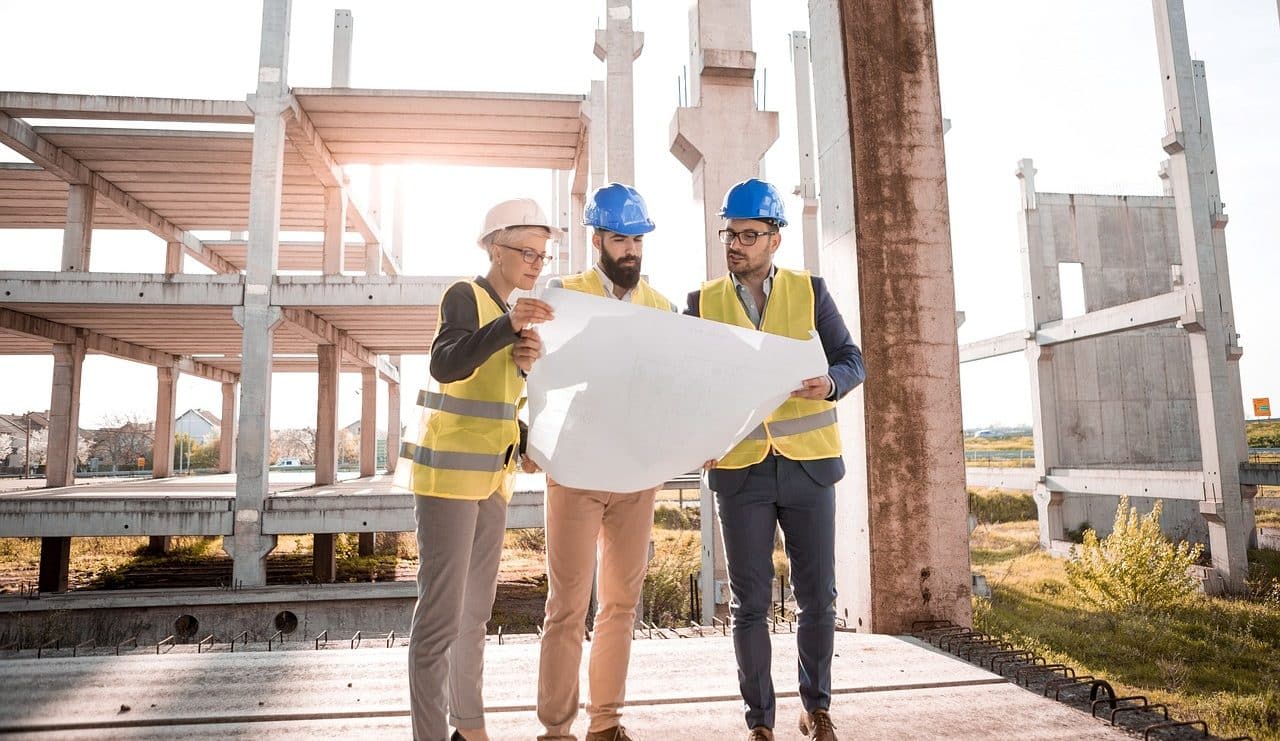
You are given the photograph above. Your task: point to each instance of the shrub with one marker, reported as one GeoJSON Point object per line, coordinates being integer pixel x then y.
{"type": "Point", "coordinates": [676, 518]}
{"type": "Point", "coordinates": [665, 599]}
{"type": "Point", "coordinates": [1135, 567]}
{"type": "Point", "coordinates": [528, 539]}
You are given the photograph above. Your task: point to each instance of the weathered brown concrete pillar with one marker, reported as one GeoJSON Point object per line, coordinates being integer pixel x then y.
{"type": "Point", "coordinates": [64, 414]}
{"type": "Point", "coordinates": [903, 539]}
{"type": "Point", "coordinates": [55, 564]}
{"type": "Point", "coordinates": [324, 557]}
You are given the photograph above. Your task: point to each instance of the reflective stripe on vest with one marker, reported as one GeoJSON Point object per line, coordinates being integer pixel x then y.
{"type": "Point", "coordinates": [452, 460]}
{"type": "Point", "coordinates": [643, 294]}
{"type": "Point", "coordinates": [797, 426]}
{"type": "Point", "coordinates": [799, 429]}
{"type": "Point", "coordinates": [466, 407]}
{"type": "Point", "coordinates": [465, 444]}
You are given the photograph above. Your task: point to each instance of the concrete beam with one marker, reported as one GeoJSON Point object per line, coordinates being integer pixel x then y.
{"type": "Point", "coordinates": [1001, 477]}
{"type": "Point", "coordinates": [306, 140]}
{"type": "Point", "coordinates": [323, 332]}
{"type": "Point", "coordinates": [306, 290]}
{"type": "Point", "coordinates": [1146, 312]}
{"type": "Point", "coordinates": [328, 512]}
{"type": "Point", "coordinates": [21, 138]}
{"type": "Point", "coordinates": [123, 108]}
{"type": "Point", "coordinates": [994, 347]}
{"type": "Point", "coordinates": [42, 287]}
{"type": "Point", "coordinates": [1123, 482]}
{"type": "Point", "coordinates": [34, 326]}
{"type": "Point", "coordinates": [1260, 474]}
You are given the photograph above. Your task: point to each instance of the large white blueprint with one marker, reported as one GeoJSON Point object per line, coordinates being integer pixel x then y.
{"type": "Point", "coordinates": [626, 397]}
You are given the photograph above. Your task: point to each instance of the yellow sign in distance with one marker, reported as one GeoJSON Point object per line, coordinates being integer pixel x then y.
{"type": "Point", "coordinates": [1262, 407]}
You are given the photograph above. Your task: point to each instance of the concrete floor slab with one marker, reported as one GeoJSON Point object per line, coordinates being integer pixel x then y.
{"type": "Point", "coordinates": [885, 687]}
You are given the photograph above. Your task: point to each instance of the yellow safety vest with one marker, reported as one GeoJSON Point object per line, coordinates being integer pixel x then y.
{"type": "Point", "coordinates": [469, 433]}
{"type": "Point", "coordinates": [589, 281]}
{"type": "Point", "coordinates": [799, 429]}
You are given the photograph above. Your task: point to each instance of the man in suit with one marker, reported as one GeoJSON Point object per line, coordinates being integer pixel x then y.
{"type": "Point", "coordinates": [784, 472]}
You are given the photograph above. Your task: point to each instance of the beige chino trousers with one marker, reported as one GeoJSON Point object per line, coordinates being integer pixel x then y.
{"type": "Point", "coordinates": [580, 522]}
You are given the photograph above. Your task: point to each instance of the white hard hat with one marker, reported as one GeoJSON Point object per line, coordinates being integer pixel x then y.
{"type": "Point", "coordinates": [516, 212]}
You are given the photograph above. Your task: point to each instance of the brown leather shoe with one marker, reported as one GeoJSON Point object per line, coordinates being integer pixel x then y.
{"type": "Point", "coordinates": [817, 725]}
{"type": "Point", "coordinates": [617, 733]}
{"type": "Point", "coordinates": [760, 733]}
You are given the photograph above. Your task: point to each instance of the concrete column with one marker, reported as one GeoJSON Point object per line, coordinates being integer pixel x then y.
{"type": "Point", "coordinates": [597, 142]}
{"type": "Point", "coordinates": [368, 421]}
{"type": "Point", "coordinates": [166, 410]}
{"type": "Point", "coordinates": [808, 187]}
{"type": "Point", "coordinates": [397, 223]}
{"type": "Point", "coordinates": [324, 558]}
{"type": "Point", "coordinates": [373, 250]}
{"type": "Point", "coordinates": [1219, 220]}
{"type": "Point", "coordinates": [227, 437]}
{"type": "Point", "coordinates": [55, 564]}
{"type": "Point", "coordinates": [343, 31]}
{"type": "Point", "coordinates": [714, 578]}
{"type": "Point", "coordinates": [1041, 303]}
{"type": "Point", "coordinates": [722, 99]}
{"type": "Point", "coordinates": [618, 46]}
{"type": "Point", "coordinates": [1210, 331]}
{"type": "Point", "coordinates": [335, 231]}
{"type": "Point", "coordinates": [393, 420]}
{"type": "Point", "coordinates": [77, 238]}
{"type": "Point", "coordinates": [64, 414]}
{"type": "Point", "coordinates": [564, 218]}
{"type": "Point", "coordinates": [327, 414]}
{"type": "Point", "coordinates": [249, 546]}
{"type": "Point", "coordinates": [173, 258]}
{"type": "Point", "coordinates": [903, 552]}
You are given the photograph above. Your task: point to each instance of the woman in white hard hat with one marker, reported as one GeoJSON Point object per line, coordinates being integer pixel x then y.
{"type": "Point", "coordinates": [463, 465]}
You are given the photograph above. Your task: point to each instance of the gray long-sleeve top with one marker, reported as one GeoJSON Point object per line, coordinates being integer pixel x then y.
{"type": "Point", "coordinates": [462, 345]}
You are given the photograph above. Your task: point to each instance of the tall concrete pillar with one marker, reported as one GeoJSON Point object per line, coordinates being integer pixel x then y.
{"type": "Point", "coordinates": [77, 237]}
{"type": "Point", "coordinates": [619, 46]}
{"type": "Point", "coordinates": [1210, 332]}
{"type": "Point", "coordinates": [324, 557]}
{"type": "Point", "coordinates": [249, 546]}
{"type": "Point", "coordinates": [563, 217]}
{"type": "Point", "coordinates": [808, 187]}
{"type": "Point", "coordinates": [903, 550]}
{"type": "Point", "coordinates": [373, 250]}
{"type": "Point", "coordinates": [368, 421]}
{"type": "Point", "coordinates": [327, 372]}
{"type": "Point", "coordinates": [227, 437]}
{"type": "Point", "coordinates": [173, 258]}
{"type": "Point", "coordinates": [397, 222]}
{"type": "Point", "coordinates": [722, 99]}
{"type": "Point", "coordinates": [343, 32]}
{"type": "Point", "coordinates": [1042, 303]}
{"type": "Point", "coordinates": [64, 414]}
{"type": "Point", "coordinates": [334, 257]}
{"type": "Point", "coordinates": [597, 143]}
{"type": "Point", "coordinates": [393, 420]}
{"type": "Point", "coordinates": [55, 564]}
{"type": "Point", "coordinates": [166, 410]}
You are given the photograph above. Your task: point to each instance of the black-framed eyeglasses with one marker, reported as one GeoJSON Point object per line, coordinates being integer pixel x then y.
{"type": "Point", "coordinates": [529, 256]}
{"type": "Point", "coordinates": [746, 237]}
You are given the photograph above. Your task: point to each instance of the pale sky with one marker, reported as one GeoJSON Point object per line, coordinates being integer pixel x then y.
{"type": "Point", "coordinates": [1075, 86]}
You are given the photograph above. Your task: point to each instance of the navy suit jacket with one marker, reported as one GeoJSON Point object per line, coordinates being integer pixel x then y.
{"type": "Point", "coordinates": [844, 361]}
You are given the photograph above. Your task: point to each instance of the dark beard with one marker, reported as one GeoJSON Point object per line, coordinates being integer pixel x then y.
{"type": "Point", "coordinates": [626, 276]}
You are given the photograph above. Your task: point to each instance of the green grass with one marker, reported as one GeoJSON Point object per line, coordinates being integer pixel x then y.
{"type": "Point", "coordinates": [1211, 658]}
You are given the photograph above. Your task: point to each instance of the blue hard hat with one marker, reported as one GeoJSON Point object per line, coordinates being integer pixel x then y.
{"type": "Point", "coordinates": [754, 199]}
{"type": "Point", "coordinates": [617, 208]}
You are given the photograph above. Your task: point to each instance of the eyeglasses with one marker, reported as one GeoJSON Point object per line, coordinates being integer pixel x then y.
{"type": "Point", "coordinates": [745, 238]}
{"type": "Point", "coordinates": [529, 256]}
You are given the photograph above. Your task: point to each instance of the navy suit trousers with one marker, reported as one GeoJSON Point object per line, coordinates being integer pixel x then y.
{"type": "Point", "coordinates": [779, 492]}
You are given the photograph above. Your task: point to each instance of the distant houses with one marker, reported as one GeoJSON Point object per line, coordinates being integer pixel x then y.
{"type": "Point", "coordinates": [201, 424]}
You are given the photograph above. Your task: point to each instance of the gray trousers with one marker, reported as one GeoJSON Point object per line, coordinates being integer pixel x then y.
{"type": "Point", "coordinates": [459, 546]}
